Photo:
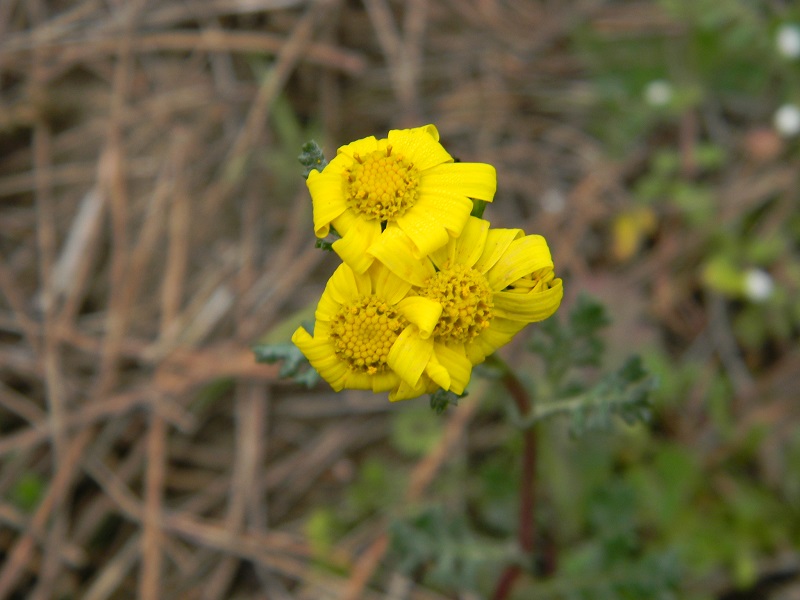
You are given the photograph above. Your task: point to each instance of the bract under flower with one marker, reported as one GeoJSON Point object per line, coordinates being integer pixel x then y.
{"type": "Point", "coordinates": [362, 319]}
{"type": "Point", "coordinates": [405, 183]}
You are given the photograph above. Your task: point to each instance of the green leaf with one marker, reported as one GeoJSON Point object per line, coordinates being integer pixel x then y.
{"type": "Point", "coordinates": [624, 393]}
{"type": "Point", "coordinates": [295, 365]}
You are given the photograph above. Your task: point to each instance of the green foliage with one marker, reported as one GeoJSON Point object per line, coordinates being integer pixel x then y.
{"type": "Point", "coordinates": [654, 576]}
{"type": "Point", "coordinates": [414, 432]}
{"type": "Point", "coordinates": [666, 485]}
{"type": "Point", "coordinates": [718, 53]}
{"type": "Point", "coordinates": [322, 528]}
{"type": "Point", "coordinates": [718, 65]}
{"type": "Point", "coordinates": [567, 347]}
{"type": "Point", "coordinates": [26, 493]}
{"type": "Point", "coordinates": [441, 399]}
{"type": "Point", "coordinates": [374, 489]}
{"type": "Point", "coordinates": [295, 365]}
{"type": "Point", "coordinates": [312, 158]}
{"type": "Point", "coordinates": [576, 343]}
{"type": "Point", "coordinates": [624, 393]}
{"type": "Point", "coordinates": [664, 185]}
{"type": "Point", "coordinates": [494, 493]}
{"type": "Point", "coordinates": [442, 544]}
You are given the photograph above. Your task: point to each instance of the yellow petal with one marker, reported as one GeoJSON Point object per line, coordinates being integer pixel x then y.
{"type": "Point", "coordinates": [384, 382]}
{"type": "Point", "coordinates": [352, 246]}
{"type": "Point", "coordinates": [328, 199]}
{"type": "Point", "coordinates": [529, 307]}
{"type": "Point", "coordinates": [388, 286]}
{"type": "Point", "coordinates": [450, 210]}
{"type": "Point", "coordinates": [363, 283]}
{"type": "Point", "coordinates": [420, 146]}
{"type": "Point", "coordinates": [407, 392]}
{"type": "Point", "coordinates": [355, 380]}
{"type": "Point", "coordinates": [474, 180]}
{"type": "Point", "coordinates": [409, 355]}
{"type": "Point", "coordinates": [425, 232]}
{"type": "Point", "coordinates": [470, 244]}
{"type": "Point", "coordinates": [322, 329]}
{"type": "Point", "coordinates": [523, 256]}
{"type": "Point", "coordinates": [497, 242]}
{"type": "Point", "coordinates": [454, 360]}
{"type": "Point", "coordinates": [345, 221]}
{"type": "Point", "coordinates": [320, 353]}
{"type": "Point", "coordinates": [437, 373]}
{"type": "Point", "coordinates": [326, 308]}
{"type": "Point", "coordinates": [422, 312]}
{"type": "Point", "coordinates": [430, 129]}
{"type": "Point", "coordinates": [360, 147]}
{"type": "Point", "coordinates": [498, 334]}
{"type": "Point", "coordinates": [444, 255]}
{"type": "Point", "coordinates": [342, 286]}
{"type": "Point", "coordinates": [394, 249]}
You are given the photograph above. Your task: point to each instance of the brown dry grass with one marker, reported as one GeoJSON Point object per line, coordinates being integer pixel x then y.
{"type": "Point", "coordinates": [149, 235]}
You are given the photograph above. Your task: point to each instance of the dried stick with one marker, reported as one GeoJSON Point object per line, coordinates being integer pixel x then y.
{"type": "Point", "coordinates": [244, 484]}
{"type": "Point", "coordinates": [207, 40]}
{"type": "Point", "coordinates": [107, 582]}
{"type": "Point", "coordinates": [403, 54]}
{"type": "Point", "coordinates": [286, 61]}
{"type": "Point", "coordinates": [51, 351]}
{"type": "Point", "coordinates": [18, 559]}
{"type": "Point", "coordinates": [11, 290]}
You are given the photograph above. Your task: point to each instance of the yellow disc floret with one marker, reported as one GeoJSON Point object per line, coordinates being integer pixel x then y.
{"type": "Point", "coordinates": [382, 185]}
{"type": "Point", "coordinates": [364, 331]}
{"type": "Point", "coordinates": [466, 300]}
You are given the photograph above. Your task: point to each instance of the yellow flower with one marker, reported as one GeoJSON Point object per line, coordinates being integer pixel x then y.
{"type": "Point", "coordinates": [490, 283]}
{"type": "Point", "coordinates": [365, 325]}
{"type": "Point", "coordinates": [408, 183]}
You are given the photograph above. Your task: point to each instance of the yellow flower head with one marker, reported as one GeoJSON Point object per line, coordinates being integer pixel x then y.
{"type": "Point", "coordinates": [365, 325]}
{"type": "Point", "coordinates": [406, 182]}
{"type": "Point", "coordinates": [490, 284]}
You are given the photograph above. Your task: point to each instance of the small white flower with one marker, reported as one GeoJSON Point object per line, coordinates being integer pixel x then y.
{"type": "Point", "coordinates": [658, 92]}
{"type": "Point", "coordinates": [758, 285]}
{"type": "Point", "coordinates": [787, 40]}
{"type": "Point", "coordinates": [787, 120]}
{"type": "Point", "coordinates": [553, 201]}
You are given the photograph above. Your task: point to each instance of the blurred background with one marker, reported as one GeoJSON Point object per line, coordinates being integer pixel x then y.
{"type": "Point", "coordinates": [154, 225]}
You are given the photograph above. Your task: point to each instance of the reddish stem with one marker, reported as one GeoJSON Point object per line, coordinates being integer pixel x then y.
{"type": "Point", "coordinates": [527, 525]}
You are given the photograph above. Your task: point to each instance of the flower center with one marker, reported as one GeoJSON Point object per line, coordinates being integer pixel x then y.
{"type": "Point", "coordinates": [363, 333]}
{"type": "Point", "coordinates": [381, 185]}
{"type": "Point", "coordinates": [466, 301]}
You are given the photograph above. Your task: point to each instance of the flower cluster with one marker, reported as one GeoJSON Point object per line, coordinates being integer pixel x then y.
{"type": "Point", "coordinates": [425, 290]}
